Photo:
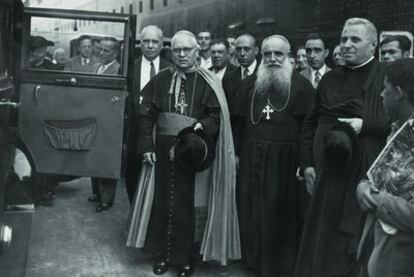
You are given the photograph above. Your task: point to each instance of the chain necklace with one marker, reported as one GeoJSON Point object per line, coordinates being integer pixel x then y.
{"type": "Point", "coordinates": [268, 109]}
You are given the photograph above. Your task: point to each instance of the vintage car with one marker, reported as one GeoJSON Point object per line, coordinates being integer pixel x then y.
{"type": "Point", "coordinates": [68, 123]}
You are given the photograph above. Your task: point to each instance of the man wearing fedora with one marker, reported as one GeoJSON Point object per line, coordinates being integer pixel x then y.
{"type": "Point", "coordinates": [350, 94]}
{"type": "Point", "coordinates": [193, 191]}
{"type": "Point", "coordinates": [38, 48]}
{"type": "Point", "coordinates": [271, 109]}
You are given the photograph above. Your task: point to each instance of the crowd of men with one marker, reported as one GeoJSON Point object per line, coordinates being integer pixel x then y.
{"type": "Point", "coordinates": [265, 160]}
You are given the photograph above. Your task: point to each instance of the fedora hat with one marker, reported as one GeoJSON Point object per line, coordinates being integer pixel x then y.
{"type": "Point", "coordinates": [194, 149]}
{"type": "Point", "coordinates": [39, 41]}
{"type": "Point", "coordinates": [340, 145]}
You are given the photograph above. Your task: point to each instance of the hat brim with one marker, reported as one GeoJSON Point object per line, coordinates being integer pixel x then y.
{"type": "Point", "coordinates": [207, 162]}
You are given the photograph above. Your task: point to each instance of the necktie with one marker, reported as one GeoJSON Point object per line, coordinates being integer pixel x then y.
{"type": "Point", "coordinates": [245, 73]}
{"type": "Point", "coordinates": [84, 61]}
{"type": "Point", "coordinates": [317, 78]}
{"type": "Point", "coordinates": [152, 71]}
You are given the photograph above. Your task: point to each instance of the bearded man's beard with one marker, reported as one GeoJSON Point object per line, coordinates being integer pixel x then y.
{"type": "Point", "coordinates": [274, 79]}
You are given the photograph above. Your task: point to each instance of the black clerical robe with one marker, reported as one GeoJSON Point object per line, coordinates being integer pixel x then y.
{"type": "Point", "coordinates": [268, 194]}
{"type": "Point", "coordinates": [335, 222]}
{"type": "Point", "coordinates": [171, 228]}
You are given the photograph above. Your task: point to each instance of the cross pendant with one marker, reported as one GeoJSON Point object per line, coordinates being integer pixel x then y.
{"type": "Point", "coordinates": [182, 105]}
{"type": "Point", "coordinates": [268, 110]}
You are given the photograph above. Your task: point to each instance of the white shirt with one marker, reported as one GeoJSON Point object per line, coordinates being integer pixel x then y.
{"type": "Point", "coordinates": [146, 70]}
{"type": "Point", "coordinates": [220, 73]}
{"type": "Point", "coordinates": [250, 69]}
{"type": "Point", "coordinates": [321, 70]}
{"type": "Point", "coordinates": [206, 63]}
{"type": "Point", "coordinates": [102, 68]}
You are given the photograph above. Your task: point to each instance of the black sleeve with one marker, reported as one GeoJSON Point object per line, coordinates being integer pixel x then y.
{"type": "Point", "coordinates": [147, 117]}
{"type": "Point", "coordinates": [308, 132]}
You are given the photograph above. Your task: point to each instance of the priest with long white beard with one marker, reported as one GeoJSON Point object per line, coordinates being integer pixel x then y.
{"type": "Point", "coordinates": [268, 115]}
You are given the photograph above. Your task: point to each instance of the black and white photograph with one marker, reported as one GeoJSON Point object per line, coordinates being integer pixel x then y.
{"type": "Point", "coordinates": [205, 138]}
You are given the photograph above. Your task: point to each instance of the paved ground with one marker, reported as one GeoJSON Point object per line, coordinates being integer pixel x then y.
{"type": "Point", "coordinates": [71, 240]}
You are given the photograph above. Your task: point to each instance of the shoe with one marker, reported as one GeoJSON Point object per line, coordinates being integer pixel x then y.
{"type": "Point", "coordinates": [160, 266]}
{"type": "Point", "coordinates": [94, 198]}
{"type": "Point", "coordinates": [103, 207]}
{"type": "Point", "coordinates": [185, 270]}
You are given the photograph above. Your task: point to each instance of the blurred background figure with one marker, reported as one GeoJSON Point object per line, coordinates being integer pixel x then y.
{"type": "Point", "coordinates": [301, 61]}
{"type": "Point", "coordinates": [232, 50]}
{"type": "Point", "coordinates": [337, 56]}
{"type": "Point", "coordinates": [59, 57]}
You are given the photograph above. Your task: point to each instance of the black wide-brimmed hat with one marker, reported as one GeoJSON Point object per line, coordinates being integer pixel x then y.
{"type": "Point", "coordinates": [194, 149]}
{"type": "Point", "coordinates": [39, 41]}
{"type": "Point", "coordinates": [340, 145]}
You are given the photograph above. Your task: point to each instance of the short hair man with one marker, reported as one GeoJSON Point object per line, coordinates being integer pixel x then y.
{"type": "Point", "coordinates": [347, 97]}
{"type": "Point", "coordinates": [394, 48]}
{"type": "Point", "coordinates": [301, 60]}
{"type": "Point", "coordinates": [186, 96]}
{"type": "Point", "coordinates": [316, 53]}
{"type": "Point", "coordinates": [270, 111]}
{"type": "Point", "coordinates": [96, 47]}
{"type": "Point", "coordinates": [84, 61]}
{"type": "Point", "coordinates": [337, 56]}
{"type": "Point", "coordinates": [390, 221]}
{"type": "Point", "coordinates": [204, 41]}
{"type": "Point", "coordinates": [145, 68]}
{"type": "Point", "coordinates": [110, 49]}
{"type": "Point", "coordinates": [246, 52]}
{"type": "Point", "coordinates": [220, 57]}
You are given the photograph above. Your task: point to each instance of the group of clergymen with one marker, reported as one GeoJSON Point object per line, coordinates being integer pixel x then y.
{"type": "Point", "coordinates": [264, 163]}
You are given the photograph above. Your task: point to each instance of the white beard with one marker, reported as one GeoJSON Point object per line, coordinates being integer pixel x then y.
{"type": "Point", "coordinates": [274, 78]}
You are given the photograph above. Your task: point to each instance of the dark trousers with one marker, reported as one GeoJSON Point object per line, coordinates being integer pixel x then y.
{"type": "Point", "coordinates": [106, 189]}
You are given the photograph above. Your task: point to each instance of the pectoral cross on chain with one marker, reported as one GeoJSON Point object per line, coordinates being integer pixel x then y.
{"type": "Point", "coordinates": [182, 105]}
{"type": "Point", "coordinates": [268, 110]}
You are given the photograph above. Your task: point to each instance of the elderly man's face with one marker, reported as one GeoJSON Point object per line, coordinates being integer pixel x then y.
{"type": "Point", "coordinates": [391, 51]}
{"type": "Point", "coordinates": [275, 52]}
{"type": "Point", "coordinates": [204, 40]}
{"type": "Point", "coordinates": [219, 55]}
{"type": "Point", "coordinates": [246, 51]}
{"type": "Point", "coordinates": [108, 52]}
{"type": "Point", "coordinates": [184, 51]}
{"type": "Point", "coordinates": [85, 48]}
{"type": "Point", "coordinates": [357, 44]}
{"type": "Point", "coordinates": [151, 44]}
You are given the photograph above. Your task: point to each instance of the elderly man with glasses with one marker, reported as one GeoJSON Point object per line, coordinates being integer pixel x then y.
{"type": "Point", "coordinates": [187, 206]}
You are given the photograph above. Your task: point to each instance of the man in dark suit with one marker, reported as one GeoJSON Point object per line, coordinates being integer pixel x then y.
{"type": "Point", "coordinates": [220, 57]}
{"type": "Point", "coordinates": [84, 61]}
{"type": "Point", "coordinates": [246, 52]}
{"type": "Point", "coordinates": [146, 67]}
{"type": "Point", "coordinates": [110, 49]}
{"type": "Point", "coordinates": [316, 53]}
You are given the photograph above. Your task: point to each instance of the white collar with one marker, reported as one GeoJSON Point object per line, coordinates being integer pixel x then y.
{"type": "Point", "coordinates": [251, 67]}
{"type": "Point", "coordinates": [321, 70]}
{"type": "Point", "coordinates": [156, 61]}
{"type": "Point", "coordinates": [362, 64]}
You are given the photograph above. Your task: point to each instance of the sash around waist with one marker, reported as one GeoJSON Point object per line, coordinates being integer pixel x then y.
{"type": "Point", "coordinates": [171, 124]}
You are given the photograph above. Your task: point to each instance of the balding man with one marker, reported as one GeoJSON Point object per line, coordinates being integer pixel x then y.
{"type": "Point", "coordinates": [246, 52]}
{"type": "Point", "coordinates": [187, 96]}
{"type": "Point", "coordinates": [349, 95]}
{"type": "Point", "coordinates": [271, 109]}
{"type": "Point", "coordinates": [145, 68]}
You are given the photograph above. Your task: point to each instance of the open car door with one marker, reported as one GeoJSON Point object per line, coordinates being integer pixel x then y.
{"type": "Point", "coordinates": [72, 120]}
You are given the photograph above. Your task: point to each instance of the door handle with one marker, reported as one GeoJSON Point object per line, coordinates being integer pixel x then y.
{"type": "Point", "coordinates": [5, 102]}
{"type": "Point", "coordinates": [36, 92]}
{"type": "Point", "coordinates": [115, 99]}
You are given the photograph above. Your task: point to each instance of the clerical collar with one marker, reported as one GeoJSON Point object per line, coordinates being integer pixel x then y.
{"type": "Point", "coordinates": [362, 64]}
